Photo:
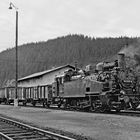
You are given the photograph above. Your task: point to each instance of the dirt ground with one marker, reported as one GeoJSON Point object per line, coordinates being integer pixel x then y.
{"type": "Point", "coordinates": [97, 126]}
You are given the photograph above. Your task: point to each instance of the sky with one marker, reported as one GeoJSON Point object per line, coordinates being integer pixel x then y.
{"type": "Point", "coordinates": [40, 20]}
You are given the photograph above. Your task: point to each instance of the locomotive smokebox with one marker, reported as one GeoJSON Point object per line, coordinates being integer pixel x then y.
{"type": "Point", "coordinates": [121, 60]}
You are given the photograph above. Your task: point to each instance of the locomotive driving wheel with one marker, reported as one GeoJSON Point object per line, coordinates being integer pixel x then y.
{"type": "Point", "coordinates": [95, 106]}
{"type": "Point", "coordinates": [92, 107]}
{"type": "Point", "coordinates": [135, 102]}
{"type": "Point", "coordinates": [103, 109]}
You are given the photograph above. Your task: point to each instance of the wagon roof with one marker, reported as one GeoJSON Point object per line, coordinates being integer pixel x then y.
{"type": "Point", "coordinates": [38, 74]}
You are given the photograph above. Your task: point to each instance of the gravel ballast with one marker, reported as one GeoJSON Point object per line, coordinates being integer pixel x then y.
{"type": "Point", "coordinates": [90, 125]}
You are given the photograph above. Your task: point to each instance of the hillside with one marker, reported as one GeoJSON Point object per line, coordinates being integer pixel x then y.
{"type": "Point", "coordinates": [35, 57]}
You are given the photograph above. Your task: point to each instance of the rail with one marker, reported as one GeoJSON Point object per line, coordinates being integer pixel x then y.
{"type": "Point", "coordinates": [49, 135]}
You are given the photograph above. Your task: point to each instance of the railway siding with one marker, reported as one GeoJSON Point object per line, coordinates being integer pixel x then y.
{"type": "Point", "coordinates": [13, 130]}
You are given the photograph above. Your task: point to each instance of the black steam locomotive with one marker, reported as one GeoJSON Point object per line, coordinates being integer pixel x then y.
{"type": "Point", "coordinates": [113, 86]}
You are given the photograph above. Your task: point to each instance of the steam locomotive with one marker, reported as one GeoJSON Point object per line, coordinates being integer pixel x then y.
{"type": "Point", "coordinates": [113, 86]}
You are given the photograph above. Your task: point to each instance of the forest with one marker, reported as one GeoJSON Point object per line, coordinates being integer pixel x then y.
{"type": "Point", "coordinates": [43, 55]}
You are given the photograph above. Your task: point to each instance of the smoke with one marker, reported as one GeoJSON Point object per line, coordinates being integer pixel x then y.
{"type": "Point", "coordinates": [137, 58]}
{"type": "Point", "coordinates": [132, 54]}
{"type": "Point", "coordinates": [131, 50]}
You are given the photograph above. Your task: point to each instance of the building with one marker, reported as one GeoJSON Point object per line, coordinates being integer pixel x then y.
{"type": "Point", "coordinates": [43, 78]}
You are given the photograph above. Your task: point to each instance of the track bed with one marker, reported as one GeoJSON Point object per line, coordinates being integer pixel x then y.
{"type": "Point", "coordinates": [13, 130]}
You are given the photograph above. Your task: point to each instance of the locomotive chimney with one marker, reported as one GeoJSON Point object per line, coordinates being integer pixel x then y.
{"type": "Point", "coordinates": [121, 60]}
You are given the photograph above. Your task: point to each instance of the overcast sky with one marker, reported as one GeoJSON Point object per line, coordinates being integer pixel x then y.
{"type": "Point", "coordinates": [40, 20]}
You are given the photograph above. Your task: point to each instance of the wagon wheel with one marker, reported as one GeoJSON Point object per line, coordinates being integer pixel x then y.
{"type": "Point", "coordinates": [34, 103]}
{"type": "Point", "coordinates": [47, 105]}
{"type": "Point", "coordinates": [135, 103]}
{"type": "Point", "coordinates": [59, 105]}
{"type": "Point", "coordinates": [118, 110]}
{"type": "Point", "coordinates": [102, 109]}
{"type": "Point", "coordinates": [64, 103]}
{"type": "Point", "coordinates": [43, 104]}
{"type": "Point", "coordinates": [24, 103]}
{"type": "Point", "coordinates": [7, 102]}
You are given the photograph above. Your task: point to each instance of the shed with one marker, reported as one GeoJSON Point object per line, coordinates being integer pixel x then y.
{"type": "Point", "coordinates": [43, 78]}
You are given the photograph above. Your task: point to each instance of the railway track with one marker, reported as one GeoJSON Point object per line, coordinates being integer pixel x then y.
{"type": "Point", "coordinates": [122, 112]}
{"type": "Point", "coordinates": [13, 130]}
{"type": "Point", "coordinates": [129, 113]}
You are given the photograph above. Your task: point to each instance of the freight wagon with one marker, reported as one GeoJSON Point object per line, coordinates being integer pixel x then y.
{"type": "Point", "coordinates": [38, 94]}
{"type": "Point", "coordinates": [33, 95]}
{"type": "Point", "coordinates": [3, 97]}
